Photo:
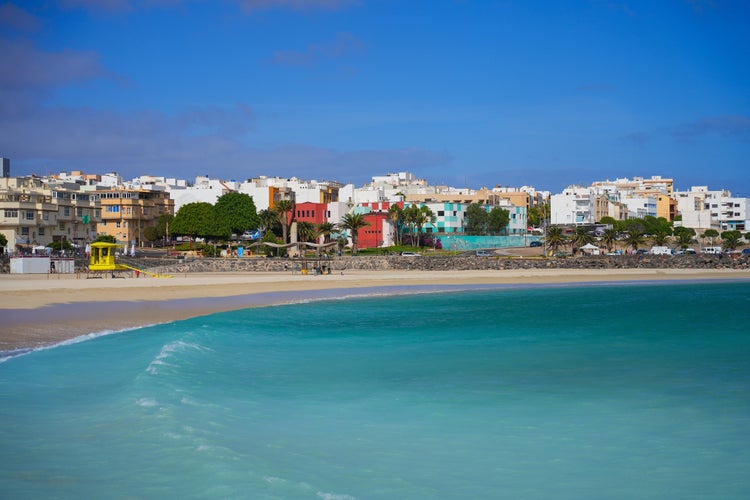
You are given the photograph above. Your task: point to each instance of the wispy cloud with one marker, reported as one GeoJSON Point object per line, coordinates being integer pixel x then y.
{"type": "Point", "coordinates": [34, 69]}
{"type": "Point", "coordinates": [344, 44]}
{"type": "Point", "coordinates": [735, 126]}
{"type": "Point", "coordinates": [14, 17]}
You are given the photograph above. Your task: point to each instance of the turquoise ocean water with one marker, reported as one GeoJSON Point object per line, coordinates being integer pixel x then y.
{"type": "Point", "coordinates": [616, 391]}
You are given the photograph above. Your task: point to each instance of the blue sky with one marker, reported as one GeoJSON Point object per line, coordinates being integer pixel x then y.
{"type": "Point", "coordinates": [462, 92]}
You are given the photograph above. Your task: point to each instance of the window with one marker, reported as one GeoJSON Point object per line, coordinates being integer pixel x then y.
{"type": "Point", "coordinates": [61, 226]}
{"type": "Point", "coordinates": [29, 215]}
{"type": "Point", "coordinates": [41, 231]}
{"type": "Point", "coordinates": [11, 214]}
{"type": "Point", "coordinates": [79, 212]}
{"type": "Point", "coordinates": [66, 211]}
{"type": "Point", "coordinates": [113, 209]}
{"type": "Point", "coordinates": [117, 224]}
{"type": "Point", "coordinates": [24, 231]}
{"type": "Point", "coordinates": [441, 213]}
{"type": "Point", "coordinates": [45, 215]}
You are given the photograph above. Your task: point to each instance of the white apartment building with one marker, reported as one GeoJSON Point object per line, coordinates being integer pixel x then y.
{"type": "Point", "coordinates": [703, 209]}
{"type": "Point", "coordinates": [574, 206]}
{"type": "Point", "coordinates": [204, 190]}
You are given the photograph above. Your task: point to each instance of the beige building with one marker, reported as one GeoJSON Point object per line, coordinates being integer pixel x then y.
{"type": "Point", "coordinates": [34, 214]}
{"type": "Point", "coordinates": [126, 213]}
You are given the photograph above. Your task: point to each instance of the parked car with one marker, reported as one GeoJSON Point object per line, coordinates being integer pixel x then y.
{"type": "Point", "coordinates": [746, 250]}
{"type": "Point", "coordinates": [484, 253]}
{"type": "Point", "coordinates": [410, 254]}
{"type": "Point", "coordinates": [535, 244]}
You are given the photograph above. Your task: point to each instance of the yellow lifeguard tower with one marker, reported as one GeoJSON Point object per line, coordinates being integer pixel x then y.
{"type": "Point", "coordinates": [103, 259]}
{"type": "Point", "coordinates": [103, 256]}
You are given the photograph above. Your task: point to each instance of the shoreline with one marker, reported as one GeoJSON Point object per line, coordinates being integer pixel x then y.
{"type": "Point", "coordinates": [44, 310]}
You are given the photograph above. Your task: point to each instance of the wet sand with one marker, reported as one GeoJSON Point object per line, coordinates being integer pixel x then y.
{"type": "Point", "coordinates": [37, 310]}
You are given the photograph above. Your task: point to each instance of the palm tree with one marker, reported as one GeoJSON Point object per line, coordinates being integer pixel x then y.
{"type": "Point", "coordinates": [396, 214]}
{"type": "Point", "coordinates": [684, 236]}
{"type": "Point", "coordinates": [634, 239]}
{"type": "Point", "coordinates": [306, 231]}
{"type": "Point", "coordinates": [581, 237]}
{"type": "Point", "coordinates": [283, 207]}
{"type": "Point", "coordinates": [731, 239]}
{"type": "Point", "coordinates": [267, 219]}
{"type": "Point", "coordinates": [353, 223]}
{"type": "Point", "coordinates": [610, 238]}
{"type": "Point", "coordinates": [422, 216]}
{"type": "Point", "coordinates": [324, 229]}
{"type": "Point", "coordinates": [555, 238]}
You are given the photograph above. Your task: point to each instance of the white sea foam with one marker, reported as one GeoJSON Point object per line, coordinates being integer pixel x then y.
{"type": "Point", "coordinates": [7, 355]}
{"type": "Point", "coordinates": [167, 350]}
{"type": "Point", "coordinates": [335, 496]}
{"type": "Point", "coordinates": [147, 402]}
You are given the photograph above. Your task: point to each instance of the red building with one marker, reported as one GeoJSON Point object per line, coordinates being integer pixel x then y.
{"type": "Point", "coordinates": [311, 212]}
{"type": "Point", "coordinates": [377, 233]}
{"type": "Point", "coordinates": [371, 236]}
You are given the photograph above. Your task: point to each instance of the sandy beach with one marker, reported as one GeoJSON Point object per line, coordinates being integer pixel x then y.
{"type": "Point", "coordinates": [38, 310]}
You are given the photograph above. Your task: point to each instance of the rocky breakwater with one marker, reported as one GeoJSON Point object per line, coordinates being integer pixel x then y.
{"type": "Point", "coordinates": [446, 263]}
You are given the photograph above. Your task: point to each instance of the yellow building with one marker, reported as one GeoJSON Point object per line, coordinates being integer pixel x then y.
{"type": "Point", "coordinates": [126, 213]}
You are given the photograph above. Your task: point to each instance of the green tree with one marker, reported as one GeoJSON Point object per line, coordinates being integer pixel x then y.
{"type": "Point", "coordinates": [659, 229]}
{"type": "Point", "coordinates": [476, 219]}
{"type": "Point", "coordinates": [420, 216]}
{"type": "Point", "coordinates": [538, 215]}
{"type": "Point", "coordinates": [554, 238]}
{"type": "Point", "coordinates": [3, 241]}
{"type": "Point", "coordinates": [269, 237]}
{"type": "Point", "coordinates": [106, 238]}
{"type": "Point", "coordinates": [196, 219]}
{"type": "Point", "coordinates": [283, 208]}
{"type": "Point", "coordinates": [610, 221]}
{"type": "Point", "coordinates": [353, 223]}
{"type": "Point", "coordinates": [684, 236]}
{"type": "Point", "coordinates": [498, 219]}
{"type": "Point", "coordinates": [151, 233]}
{"type": "Point", "coordinates": [710, 234]}
{"type": "Point", "coordinates": [730, 240]}
{"type": "Point", "coordinates": [236, 211]}
{"type": "Point", "coordinates": [162, 225]}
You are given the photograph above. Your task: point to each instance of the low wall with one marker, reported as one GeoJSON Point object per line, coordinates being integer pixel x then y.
{"type": "Point", "coordinates": [445, 263]}
{"type": "Point", "coordinates": [426, 262]}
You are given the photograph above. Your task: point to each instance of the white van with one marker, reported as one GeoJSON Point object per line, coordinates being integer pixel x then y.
{"type": "Point", "coordinates": [711, 250]}
{"type": "Point", "coordinates": [661, 251]}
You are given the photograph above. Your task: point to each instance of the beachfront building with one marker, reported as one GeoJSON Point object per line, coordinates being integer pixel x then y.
{"type": "Point", "coordinates": [34, 213]}
{"type": "Point", "coordinates": [266, 191]}
{"type": "Point", "coordinates": [314, 213]}
{"type": "Point", "coordinates": [701, 209]}
{"type": "Point", "coordinates": [578, 205]}
{"type": "Point", "coordinates": [203, 190]}
{"type": "Point", "coordinates": [126, 213]}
